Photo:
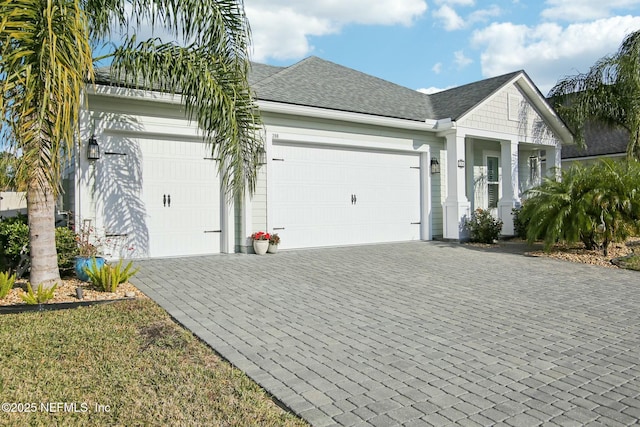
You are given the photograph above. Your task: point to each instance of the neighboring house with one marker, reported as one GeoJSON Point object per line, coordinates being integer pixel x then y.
{"type": "Point", "coordinates": [600, 142]}
{"type": "Point", "coordinates": [12, 203]}
{"type": "Point", "coordinates": [350, 159]}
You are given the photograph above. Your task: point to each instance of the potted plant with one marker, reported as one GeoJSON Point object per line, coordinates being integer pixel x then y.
{"type": "Point", "coordinates": [260, 242]}
{"type": "Point", "coordinates": [88, 249]}
{"type": "Point", "coordinates": [274, 241]}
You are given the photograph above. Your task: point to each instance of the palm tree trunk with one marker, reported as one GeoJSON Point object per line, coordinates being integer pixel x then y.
{"type": "Point", "coordinates": [41, 206]}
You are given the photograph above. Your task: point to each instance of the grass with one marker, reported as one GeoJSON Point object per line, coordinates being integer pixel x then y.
{"type": "Point", "coordinates": [131, 357]}
{"type": "Point", "coordinates": [630, 262]}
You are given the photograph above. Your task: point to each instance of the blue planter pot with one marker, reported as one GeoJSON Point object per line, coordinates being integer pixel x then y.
{"type": "Point", "coordinates": [82, 262]}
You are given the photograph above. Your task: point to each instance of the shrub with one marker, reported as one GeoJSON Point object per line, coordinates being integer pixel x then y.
{"type": "Point", "coordinates": [483, 227]}
{"type": "Point", "coordinates": [109, 276]}
{"type": "Point", "coordinates": [41, 296]}
{"type": "Point", "coordinates": [6, 283]}
{"type": "Point", "coordinates": [67, 249]}
{"type": "Point", "coordinates": [14, 235]}
{"type": "Point", "coordinates": [519, 224]}
{"type": "Point", "coordinates": [594, 205]}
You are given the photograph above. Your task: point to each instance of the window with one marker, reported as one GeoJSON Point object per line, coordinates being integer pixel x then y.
{"type": "Point", "coordinates": [534, 170]}
{"type": "Point", "coordinates": [493, 183]}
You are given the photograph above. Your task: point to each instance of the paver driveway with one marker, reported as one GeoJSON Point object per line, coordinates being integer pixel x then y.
{"type": "Point", "coordinates": [417, 333]}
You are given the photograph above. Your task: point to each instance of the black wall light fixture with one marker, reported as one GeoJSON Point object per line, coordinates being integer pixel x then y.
{"type": "Point", "coordinates": [93, 149]}
{"type": "Point", "coordinates": [435, 166]}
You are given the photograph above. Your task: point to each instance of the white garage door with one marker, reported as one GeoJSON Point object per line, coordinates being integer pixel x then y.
{"type": "Point", "coordinates": [330, 196]}
{"type": "Point", "coordinates": [161, 197]}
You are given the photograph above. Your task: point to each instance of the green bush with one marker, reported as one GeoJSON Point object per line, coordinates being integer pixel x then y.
{"type": "Point", "coordinates": [67, 248]}
{"type": "Point", "coordinates": [14, 235]}
{"type": "Point", "coordinates": [6, 283]}
{"type": "Point", "coordinates": [109, 276]}
{"type": "Point", "coordinates": [41, 296]}
{"type": "Point", "coordinates": [519, 224]}
{"type": "Point", "coordinates": [483, 227]}
{"type": "Point", "coordinates": [595, 205]}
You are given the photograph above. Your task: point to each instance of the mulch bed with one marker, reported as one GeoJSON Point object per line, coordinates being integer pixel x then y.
{"type": "Point", "coordinates": [66, 293]}
{"type": "Point", "coordinates": [573, 252]}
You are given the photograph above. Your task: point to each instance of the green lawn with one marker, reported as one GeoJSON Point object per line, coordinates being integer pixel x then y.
{"type": "Point", "coordinates": [124, 364]}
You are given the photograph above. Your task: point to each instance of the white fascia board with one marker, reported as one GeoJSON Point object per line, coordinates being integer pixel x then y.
{"type": "Point", "coordinates": [323, 113]}
{"type": "Point", "coordinates": [125, 92]}
{"type": "Point", "coordinates": [595, 157]}
{"type": "Point", "coordinates": [380, 143]}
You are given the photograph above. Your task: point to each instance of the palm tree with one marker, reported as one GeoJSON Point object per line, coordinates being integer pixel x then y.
{"type": "Point", "coordinates": [46, 58]}
{"type": "Point", "coordinates": [607, 95]}
{"type": "Point", "coordinates": [596, 205]}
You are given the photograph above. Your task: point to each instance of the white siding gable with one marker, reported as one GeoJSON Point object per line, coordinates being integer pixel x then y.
{"type": "Point", "coordinates": [509, 111]}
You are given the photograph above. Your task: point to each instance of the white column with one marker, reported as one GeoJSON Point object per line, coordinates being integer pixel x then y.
{"type": "Point", "coordinates": [245, 224]}
{"type": "Point", "coordinates": [227, 224]}
{"type": "Point", "coordinates": [554, 161]}
{"type": "Point", "coordinates": [456, 205]}
{"type": "Point", "coordinates": [509, 183]}
{"type": "Point", "coordinates": [425, 196]}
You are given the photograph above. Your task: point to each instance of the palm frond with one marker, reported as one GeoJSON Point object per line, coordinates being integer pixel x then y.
{"type": "Point", "coordinates": [45, 61]}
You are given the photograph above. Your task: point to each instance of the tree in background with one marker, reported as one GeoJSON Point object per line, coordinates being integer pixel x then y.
{"type": "Point", "coordinates": [46, 58]}
{"type": "Point", "coordinates": [607, 94]}
{"type": "Point", "coordinates": [7, 171]}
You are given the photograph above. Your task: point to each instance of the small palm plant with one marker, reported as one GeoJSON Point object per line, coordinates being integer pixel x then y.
{"type": "Point", "coordinates": [595, 205]}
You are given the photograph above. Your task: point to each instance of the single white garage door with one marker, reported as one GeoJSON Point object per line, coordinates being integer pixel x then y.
{"type": "Point", "coordinates": [326, 196]}
{"type": "Point", "coordinates": [161, 197]}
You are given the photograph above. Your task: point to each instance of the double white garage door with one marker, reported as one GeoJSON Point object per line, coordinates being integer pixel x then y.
{"type": "Point", "coordinates": [326, 196]}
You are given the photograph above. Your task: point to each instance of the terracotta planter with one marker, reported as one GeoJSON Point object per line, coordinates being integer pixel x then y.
{"type": "Point", "coordinates": [260, 247]}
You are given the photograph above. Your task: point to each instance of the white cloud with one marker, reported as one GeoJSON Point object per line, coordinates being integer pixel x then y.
{"type": "Point", "coordinates": [549, 51]}
{"type": "Point", "coordinates": [437, 68]}
{"type": "Point", "coordinates": [583, 10]}
{"type": "Point", "coordinates": [432, 89]}
{"type": "Point", "coordinates": [483, 15]}
{"type": "Point", "coordinates": [457, 2]}
{"type": "Point", "coordinates": [460, 59]}
{"type": "Point", "coordinates": [450, 19]}
{"type": "Point", "coordinates": [281, 28]}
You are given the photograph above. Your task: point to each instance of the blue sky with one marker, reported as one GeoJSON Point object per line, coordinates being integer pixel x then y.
{"type": "Point", "coordinates": [436, 44]}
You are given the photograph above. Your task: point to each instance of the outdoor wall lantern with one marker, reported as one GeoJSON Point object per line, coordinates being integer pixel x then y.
{"type": "Point", "coordinates": [460, 163]}
{"type": "Point", "coordinates": [435, 166]}
{"type": "Point", "coordinates": [93, 149]}
{"type": "Point", "coordinates": [262, 156]}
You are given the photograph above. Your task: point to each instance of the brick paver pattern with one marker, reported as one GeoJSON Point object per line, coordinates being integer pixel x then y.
{"type": "Point", "coordinates": [418, 333]}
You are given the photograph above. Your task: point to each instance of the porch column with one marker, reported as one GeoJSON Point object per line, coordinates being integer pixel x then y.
{"type": "Point", "coordinates": [456, 205]}
{"type": "Point", "coordinates": [509, 199]}
{"type": "Point", "coordinates": [554, 161]}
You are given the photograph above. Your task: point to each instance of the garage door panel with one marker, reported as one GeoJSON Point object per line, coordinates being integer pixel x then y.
{"type": "Point", "coordinates": [177, 192]}
{"type": "Point", "coordinates": [313, 188]}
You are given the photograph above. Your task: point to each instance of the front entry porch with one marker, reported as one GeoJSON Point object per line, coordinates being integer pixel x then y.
{"type": "Point", "coordinates": [492, 174]}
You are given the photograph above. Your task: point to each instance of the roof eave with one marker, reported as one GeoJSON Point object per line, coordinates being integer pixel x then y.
{"type": "Point", "coordinates": [328, 114]}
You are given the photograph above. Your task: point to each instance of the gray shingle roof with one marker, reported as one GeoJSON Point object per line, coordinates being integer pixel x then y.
{"type": "Point", "coordinates": [315, 82]}
{"type": "Point", "coordinates": [600, 140]}
{"type": "Point", "coordinates": [454, 103]}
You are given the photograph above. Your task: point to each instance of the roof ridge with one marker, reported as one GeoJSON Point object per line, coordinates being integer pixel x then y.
{"type": "Point", "coordinates": [284, 70]}
{"type": "Point", "coordinates": [489, 79]}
